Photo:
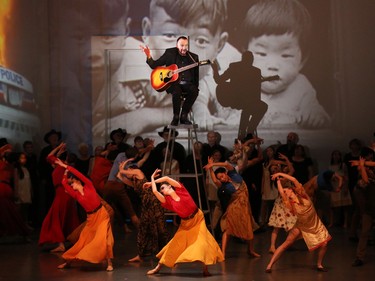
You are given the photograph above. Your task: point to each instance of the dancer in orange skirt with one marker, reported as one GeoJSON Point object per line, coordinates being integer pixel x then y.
{"type": "Point", "coordinates": [192, 241]}
{"type": "Point", "coordinates": [95, 243]}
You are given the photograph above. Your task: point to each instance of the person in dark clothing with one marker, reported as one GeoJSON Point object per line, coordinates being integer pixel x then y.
{"type": "Point", "coordinates": [365, 197]}
{"type": "Point", "coordinates": [242, 92]}
{"type": "Point", "coordinates": [186, 85]}
{"type": "Point", "coordinates": [47, 190]}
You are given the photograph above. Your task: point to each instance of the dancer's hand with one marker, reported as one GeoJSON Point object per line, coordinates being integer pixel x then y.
{"type": "Point", "coordinates": [155, 174]}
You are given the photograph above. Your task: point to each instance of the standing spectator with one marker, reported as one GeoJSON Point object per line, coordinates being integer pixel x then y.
{"type": "Point", "coordinates": [252, 174]}
{"type": "Point", "coordinates": [210, 146]}
{"type": "Point", "coordinates": [97, 152]}
{"type": "Point", "coordinates": [303, 165]}
{"type": "Point", "coordinates": [355, 146]}
{"type": "Point", "coordinates": [340, 201]}
{"type": "Point", "coordinates": [179, 152]}
{"type": "Point", "coordinates": [287, 149]}
{"type": "Point", "coordinates": [47, 190]}
{"type": "Point", "coordinates": [118, 141]}
{"type": "Point", "coordinates": [366, 189]}
{"type": "Point", "coordinates": [32, 167]}
{"type": "Point", "coordinates": [82, 163]}
{"type": "Point", "coordinates": [11, 222]}
{"type": "Point", "coordinates": [23, 187]}
{"type": "Point", "coordinates": [269, 191]}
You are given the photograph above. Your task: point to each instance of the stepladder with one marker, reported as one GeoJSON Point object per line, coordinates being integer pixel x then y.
{"type": "Point", "coordinates": [192, 175]}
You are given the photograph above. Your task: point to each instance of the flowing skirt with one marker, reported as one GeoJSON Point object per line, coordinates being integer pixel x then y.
{"type": "Point", "coordinates": [192, 242]}
{"type": "Point", "coordinates": [95, 244]}
{"type": "Point", "coordinates": [61, 220]}
{"type": "Point", "coordinates": [238, 220]}
{"type": "Point", "coordinates": [313, 231]}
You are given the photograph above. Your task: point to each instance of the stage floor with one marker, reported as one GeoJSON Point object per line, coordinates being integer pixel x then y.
{"type": "Point", "coordinates": [26, 262]}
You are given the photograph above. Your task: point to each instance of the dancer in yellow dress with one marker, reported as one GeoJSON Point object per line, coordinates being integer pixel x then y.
{"type": "Point", "coordinates": [192, 242]}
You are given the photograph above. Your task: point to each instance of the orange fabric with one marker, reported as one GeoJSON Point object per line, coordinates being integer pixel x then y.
{"type": "Point", "coordinates": [238, 220]}
{"type": "Point", "coordinates": [192, 242]}
{"type": "Point", "coordinates": [95, 244]}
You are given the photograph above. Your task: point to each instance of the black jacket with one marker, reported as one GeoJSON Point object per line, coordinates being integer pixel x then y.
{"type": "Point", "coordinates": [170, 57]}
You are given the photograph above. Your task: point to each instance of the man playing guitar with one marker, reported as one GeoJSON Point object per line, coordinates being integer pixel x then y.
{"type": "Point", "coordinates": [188, 81]}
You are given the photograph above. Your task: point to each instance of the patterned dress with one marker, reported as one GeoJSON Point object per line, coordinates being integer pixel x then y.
{"type": "Point", "coordinates": [281, 216]}
{"type": "Point", "coordinates": [152, 234]}
{"type": "Point", "coordinates": [238, 220]}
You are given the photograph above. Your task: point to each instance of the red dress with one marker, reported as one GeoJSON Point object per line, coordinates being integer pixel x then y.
{"type": "Point", "coordinates": [100, 173]}
{"type": "Point", "coordinates": [11, 222]}
{"type": "Point", "coordinates": [62, 217]}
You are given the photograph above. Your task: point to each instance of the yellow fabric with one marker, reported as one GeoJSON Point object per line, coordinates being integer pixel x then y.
{"type": "Point", "coordinates": [192, 242]}
{"type": "Point", "coordinates": [95, 244]}
{"type": "Point", "coordinates": [313, 231]}
{"type": "Point", "coordinates": [238, 220]}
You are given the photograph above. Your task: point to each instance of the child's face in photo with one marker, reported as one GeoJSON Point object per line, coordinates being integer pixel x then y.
{"type": "Point", "coordinates": [277, 55]}
{"type": "Point", "coordinates": [201, 40]}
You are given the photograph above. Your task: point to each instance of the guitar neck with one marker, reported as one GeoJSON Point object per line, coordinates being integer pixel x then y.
{"type": "Point", "coordinates": [186, 67]}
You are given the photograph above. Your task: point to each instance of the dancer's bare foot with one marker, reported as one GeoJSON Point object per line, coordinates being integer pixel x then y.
{"type": "Point", "coordinates": [109, 268]}
{"type": "Point", "coordinates": [59, 248]}
{"type": "Point", "coordinates": [206, 273]}
{"type": "Point", "coordinates": [272, 250]}
{"type": "Point", "coordinates": [155, 270]}
{"type": "Point", "coordinates": [127, 229]}
{"type": "Point", "coordinates": [64, 265]}
{"type": "Point", "coordinates": [135, 259]}
{"type": "Point", "coordinates": [253, 254]}
{"type": "Point", "coordinates": [109, 265]}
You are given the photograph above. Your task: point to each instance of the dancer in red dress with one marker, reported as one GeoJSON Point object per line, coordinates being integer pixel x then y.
{"type": "Point", "coordinates": [192, 241]}
{"type": "Point", "coordinates": [95, 242]}
{"type": "Point", "coordinates": [62, 217]}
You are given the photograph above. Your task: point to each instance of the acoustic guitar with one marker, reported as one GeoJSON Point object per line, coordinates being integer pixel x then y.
{"type": "Point", "coordinates": [162, 76]}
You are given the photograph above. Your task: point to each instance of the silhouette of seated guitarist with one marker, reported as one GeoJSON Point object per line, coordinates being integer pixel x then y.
{"type": "Point", "coordinates": [242, 92]}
